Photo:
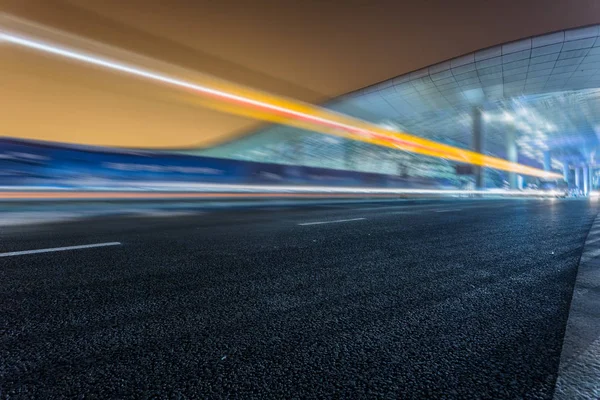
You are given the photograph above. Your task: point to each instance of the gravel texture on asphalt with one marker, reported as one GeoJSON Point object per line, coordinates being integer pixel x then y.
{"type": "Point", "coordinates": [455, 299]}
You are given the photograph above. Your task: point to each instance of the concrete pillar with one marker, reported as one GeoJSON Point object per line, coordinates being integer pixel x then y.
{"type": "Point", "coordinates": [566, 172]}
{"type": "Point", "coordinates": [512, 155]}
{"type": "Point", "coordinates": [477, 142]}
{"type": "Point", "coordinates": [402, 168]}
{"type": "Point", "coordinates": [547, 161]}
{"type": "Point", "coordinates": [578, 178]}
{"type": "Point", "coordinates": [348, 153]}
{"type": "Point", "coordinates": [296, 151]}
{"type": "Point", "coordinates": [586, 179]}
{"type": "Point", "coordinates": [520, 182]}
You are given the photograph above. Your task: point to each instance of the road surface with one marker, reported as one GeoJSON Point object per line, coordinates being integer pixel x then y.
{"type": "Point", "coordinates": [462, 299]}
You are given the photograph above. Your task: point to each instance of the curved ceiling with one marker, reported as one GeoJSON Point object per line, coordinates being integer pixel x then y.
{"type": "Point", "coordinates": [546, 88]}
{"type": "Point", "coordinates": [312, 51]}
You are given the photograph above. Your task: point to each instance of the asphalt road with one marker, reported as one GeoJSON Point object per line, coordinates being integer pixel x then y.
{"type": "Point", "coordinates": [443, 299]}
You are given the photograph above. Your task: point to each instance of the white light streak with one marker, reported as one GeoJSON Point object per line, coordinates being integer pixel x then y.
{"type": "Point", "coordinates": [113, 65]}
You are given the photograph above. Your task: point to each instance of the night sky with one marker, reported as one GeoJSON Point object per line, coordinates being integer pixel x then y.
{"type": "Point", "coordinates": [310, 50]}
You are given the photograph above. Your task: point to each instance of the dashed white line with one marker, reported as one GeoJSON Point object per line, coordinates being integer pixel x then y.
{"type": "Point", "coordinates": [330, 222]}
{"type": "Point", "coordinates": [50, 250]}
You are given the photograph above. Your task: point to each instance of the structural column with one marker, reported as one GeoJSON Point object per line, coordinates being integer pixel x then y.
{"type": "Point", "coordinates": [296, 153]}
{"type": "Point", "coordinates": [512, 155]}
{"type": "Point", "coordinates": [348, 155]}
{"type": "Point", "coordinates": [478, 146]}
{"type": "Point", "coordinates": [547, 161]}
{"type": "Point", "coordinates": [586, 179]}
{"type": "Point", "coordinates": [578, 178]}
{"type": "Point", "coordinates": [566, 172]}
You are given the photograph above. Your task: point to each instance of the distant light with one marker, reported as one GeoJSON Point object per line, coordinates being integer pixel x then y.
{"type": "Point", "coordinates": [523, 127]}
{"type": "Point", "coordinates": [332, 139]}
{"type": "Point", "coordinates": [388, 126]}
{"type": "Point", "coordinates": [486, 117]}
{"type": "Point", "coordinates": [508, 117]}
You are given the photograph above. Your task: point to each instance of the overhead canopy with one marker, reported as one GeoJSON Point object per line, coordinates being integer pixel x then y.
{"type": "Point", "coordinates": [546, 88]}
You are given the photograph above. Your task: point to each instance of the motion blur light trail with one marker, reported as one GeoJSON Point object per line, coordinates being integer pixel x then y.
{"type": "Point", "coordinates": [204, 191]}
{"type": "Point", "coordinates": [240, 100]}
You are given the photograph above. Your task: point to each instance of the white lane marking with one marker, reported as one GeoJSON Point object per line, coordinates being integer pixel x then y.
{"type": "Point", "coordinates": [450, 210]}
{"type": "Point", "coordinates": [330, 222]}
{"type": "Point", "coordinates": [50, 250]}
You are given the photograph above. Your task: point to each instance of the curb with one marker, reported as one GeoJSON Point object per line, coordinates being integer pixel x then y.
{"type": "Point", "coordinates": [579, 370]}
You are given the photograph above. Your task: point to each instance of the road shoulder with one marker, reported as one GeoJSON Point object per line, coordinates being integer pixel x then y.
{"type": "Point", "coordinates": [579, 370]}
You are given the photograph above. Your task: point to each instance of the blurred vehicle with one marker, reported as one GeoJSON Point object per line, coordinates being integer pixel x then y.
{"type": "Point", "coordinates": [557, 187]}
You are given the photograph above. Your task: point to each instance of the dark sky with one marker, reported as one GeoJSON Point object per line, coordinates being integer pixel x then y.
{"type": "Point", "coordinates": [311, 50]}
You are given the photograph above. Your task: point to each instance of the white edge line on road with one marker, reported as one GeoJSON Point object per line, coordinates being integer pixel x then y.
{"type": "Point", "coordinates": [330, 222]}
{"type": "Point", "coordinates": [50, 250]}
{"type": "Point", "coordinates": [453, 209]}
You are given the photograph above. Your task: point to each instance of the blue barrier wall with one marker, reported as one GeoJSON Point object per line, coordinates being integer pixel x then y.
{"type": "Point", "coordinates": [26, 163]}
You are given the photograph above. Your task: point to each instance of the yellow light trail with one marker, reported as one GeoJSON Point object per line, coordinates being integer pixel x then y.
{"type": "Point", "coordinates": [240, 100]}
